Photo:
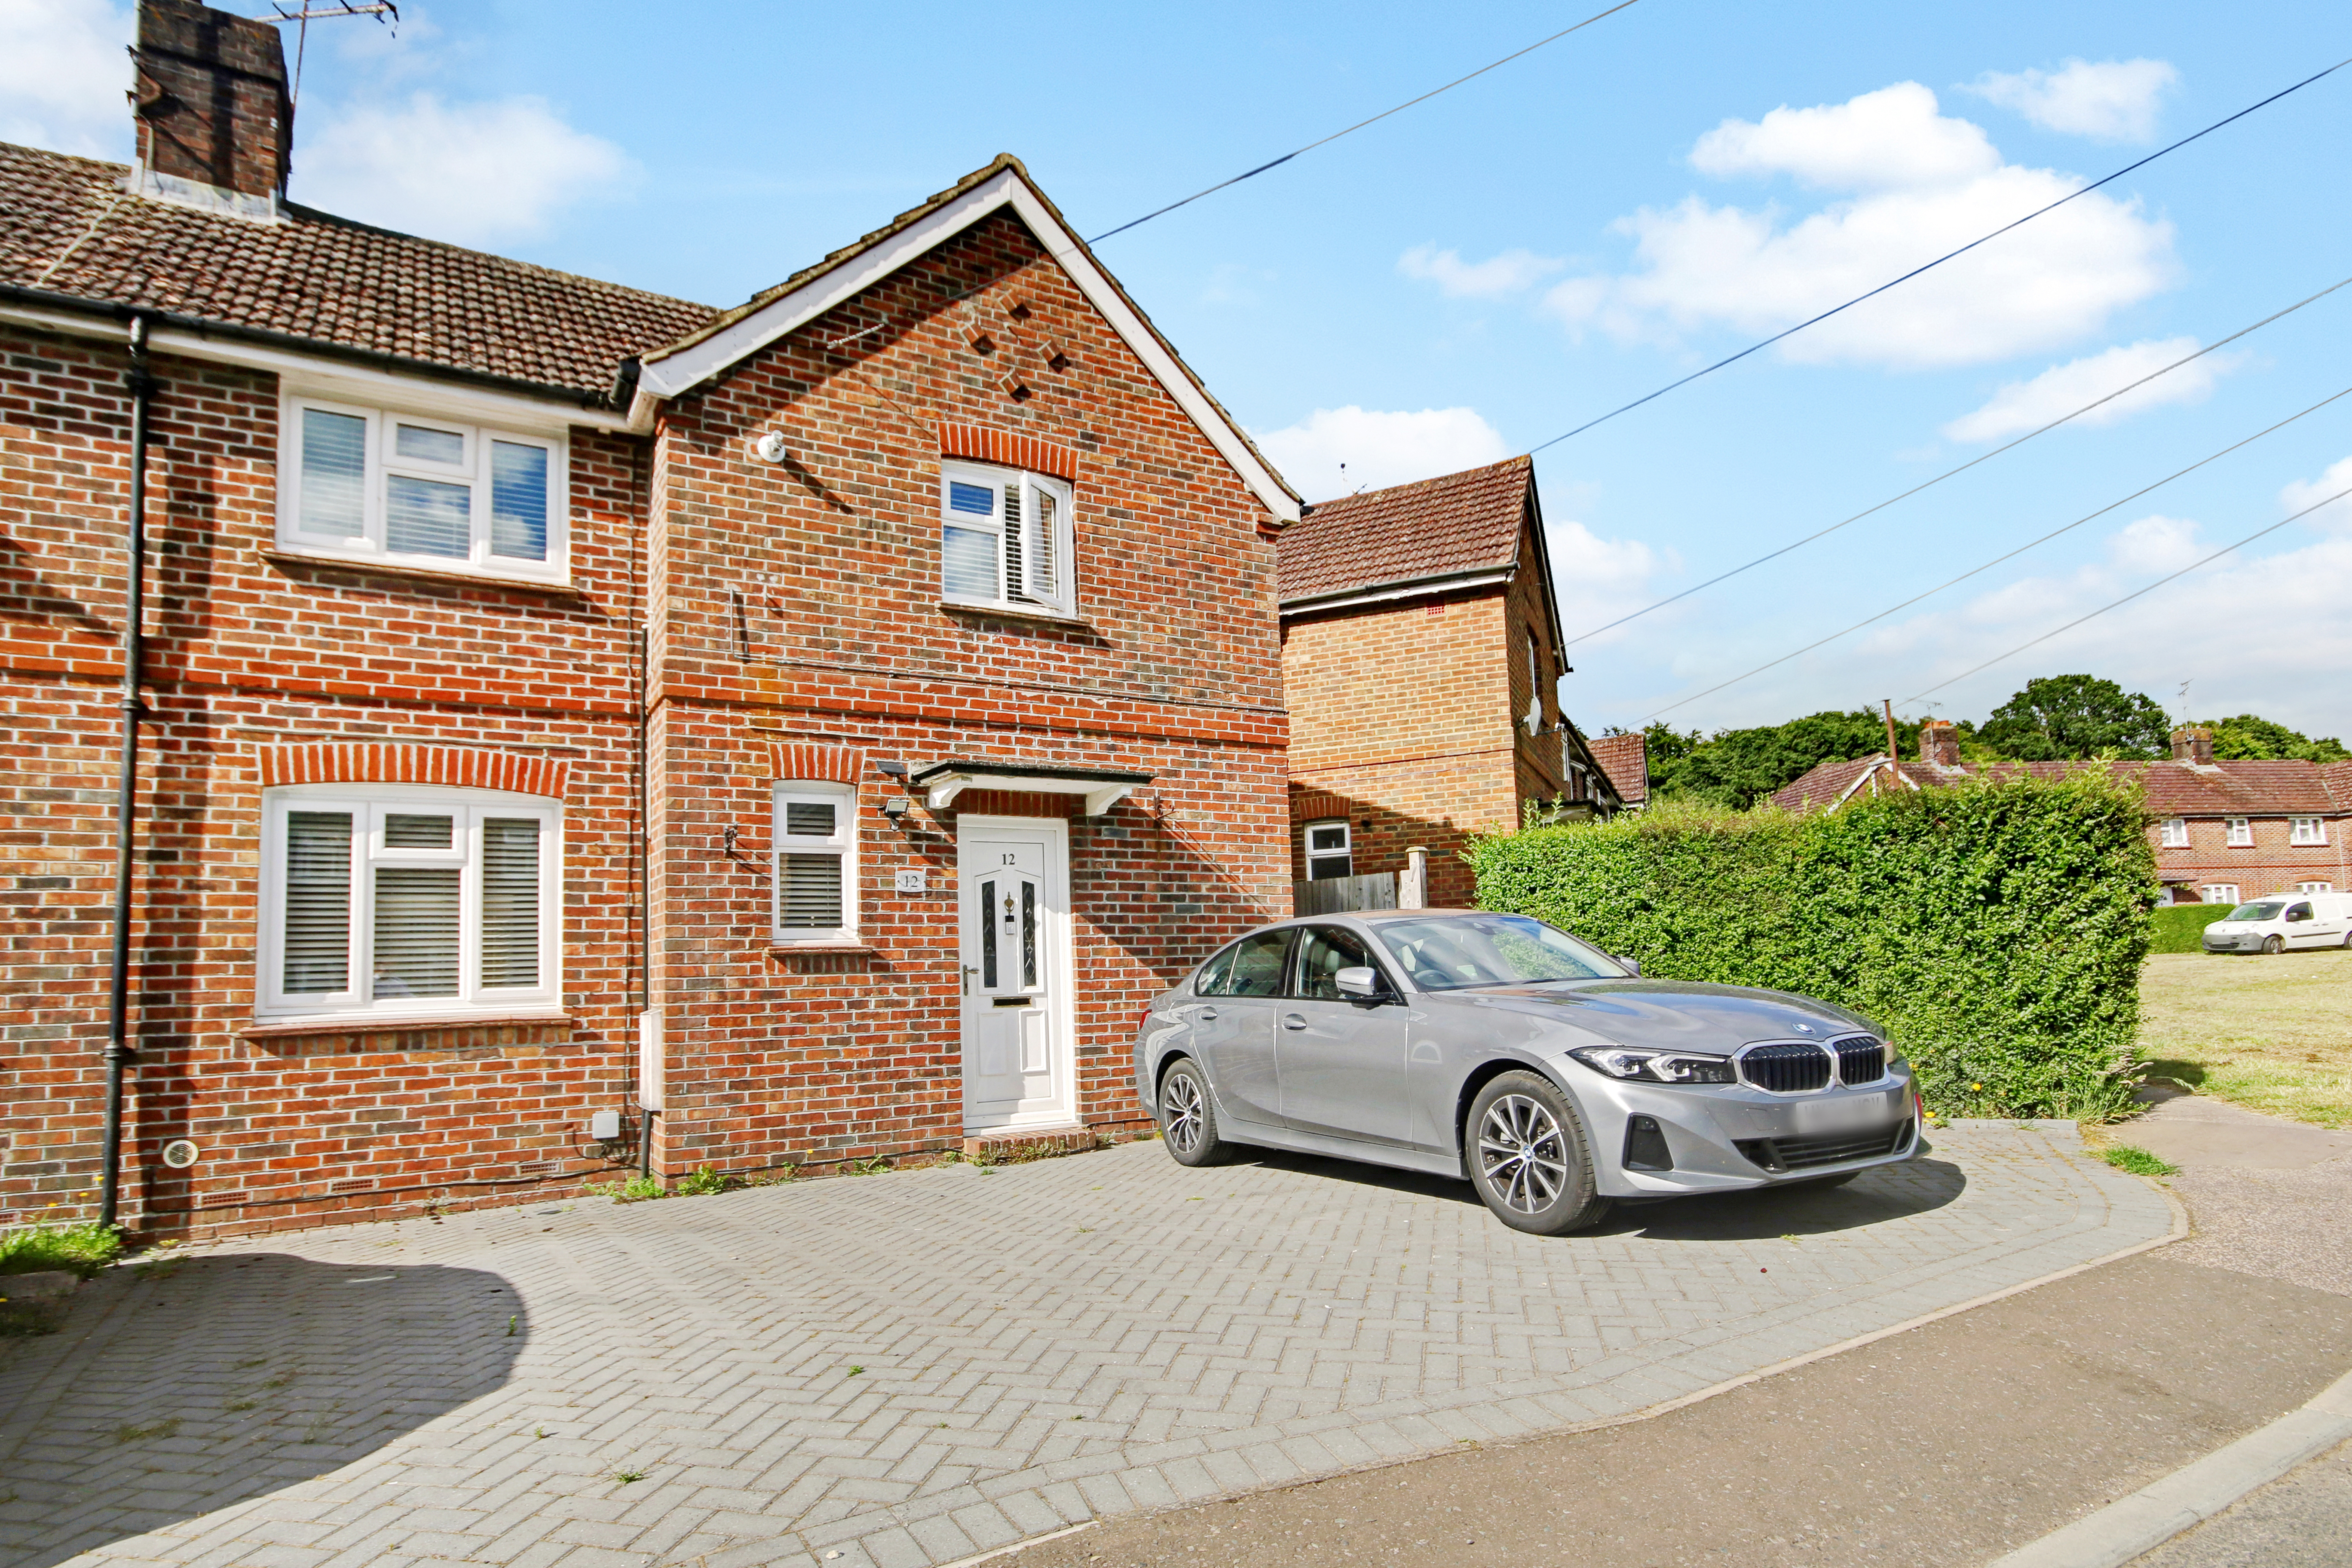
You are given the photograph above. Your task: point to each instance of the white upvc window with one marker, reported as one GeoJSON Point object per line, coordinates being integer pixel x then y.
{"type": "Point", "coordinates": [1329, 852]}
{"type": "Point", "coordinates": [410, 899]}
{"type": "Point", "coordinates": [2314, 887]}
{"type": "Point", "coordinates": [1005, 539]}
{"type": "Point", "coordinates": [2242, 833]}
{"type": "Point", "coordinates": [2219, 893]}
{"type": "Point", "coordinates": [2175, 833]}
{"type": "Point", "coordinates": [2306, 830]}
{"type": "Point", "coordinates": [380, 484]}
{"type": "Point", "coordinates": [815, 839]}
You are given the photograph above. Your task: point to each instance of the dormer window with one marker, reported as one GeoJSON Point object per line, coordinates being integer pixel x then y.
{"type": "Point", "coordinates": [1005, 539]}
{"type": "Point", "coordinates": [379, 485]}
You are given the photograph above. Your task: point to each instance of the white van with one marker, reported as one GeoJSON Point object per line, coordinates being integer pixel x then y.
{"type": "Point", "coordinates": [2284, 920]}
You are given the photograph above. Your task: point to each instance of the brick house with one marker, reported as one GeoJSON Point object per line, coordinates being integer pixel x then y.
{"type": "Point", "coordinates": [1421, 663]}
{"type": "Point", "coordinates": [2222, 831]}
{"type": "Point", "coordinates": [822, 722]}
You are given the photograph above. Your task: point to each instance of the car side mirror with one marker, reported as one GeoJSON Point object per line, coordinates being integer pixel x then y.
{"type": "Point", "coordinates": [1633, 963]}
{"type": "Point", "coordinates": [1359, 981]}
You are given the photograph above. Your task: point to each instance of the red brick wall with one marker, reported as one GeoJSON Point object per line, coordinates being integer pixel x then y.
{"type": "Point", "coordinates": [249, 654]}
{"type": "Point", "coordinates": [816, 1058]}
{"type": "Point", "coordinates": [2271, 864]}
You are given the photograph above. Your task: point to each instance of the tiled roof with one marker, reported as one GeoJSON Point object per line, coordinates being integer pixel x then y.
{"type": "Point", "coordinates": [67, 228]}
{"type": "Point", "coordinates": [2174, 789]}
{"type": "Point", "coordinates": [1461, 523]}
{"type": "Point", "coordinates": [1626, 760]}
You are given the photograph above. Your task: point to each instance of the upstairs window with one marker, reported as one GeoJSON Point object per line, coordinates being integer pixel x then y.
{"type": "Point", "coordinates": [1005, 539]}
{"type": "Point", "coordinates": [376, 485]}
{"type": "Point", "coordinates": [397, 899]}
{"type": "Point", "coordinates": [1329, 851]}
{"type": "Point", "coordinates": [2242, 833]}
{"type": "Point", "coordinates": [2305, 831]}
{"type": "Point", "coordinates": [817, 863]}
{"type": "Point", "coordinates": [2314, 887]}
{"type": "Point", "coordinates": [2175, 833]}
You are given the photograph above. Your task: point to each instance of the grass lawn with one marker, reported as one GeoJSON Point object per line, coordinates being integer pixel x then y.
{"type": "Point", "coordinates": [2272, 1034]}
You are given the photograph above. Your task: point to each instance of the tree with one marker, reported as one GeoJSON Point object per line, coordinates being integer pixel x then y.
{"type": "Point", "coordinates": [1738, 768]}
{"type": "Point", "coordinates": [2061, 718]}
{"type": "Point", "coordinates": [2251, 738]}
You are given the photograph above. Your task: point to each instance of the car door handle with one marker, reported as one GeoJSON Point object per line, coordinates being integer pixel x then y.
{"type": "Point", "coordinates": [1206, 1015]}
{"type": "Point", "coordinates": [1293, 1021]}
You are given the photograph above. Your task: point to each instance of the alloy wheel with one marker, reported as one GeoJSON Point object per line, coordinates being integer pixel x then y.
{"type": "Point", "coordinates": [1522, 1154]}
{"type": "Point", "coordinates": [1182, 1099]}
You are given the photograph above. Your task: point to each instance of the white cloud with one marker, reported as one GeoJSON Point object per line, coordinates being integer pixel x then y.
{"type": "Point", "coordinates": [2155, 544]}
{"type": "Point", "coordinates": [1512, 272]}
{"type": "Point", "coordinates": [472, 172]}
{"type": "Point", "coordinates": [2115, 100]}
{"type": "Point", "coordinates": [63, 75]}
{"type": "Point", "coordinates": [2303, 493]}
{"type": "Point", "coordinates": [2023, 405]}
{"type": "Point", "coordinates": [1888, 139]}
{"type": "Point", "coordinates": [1379, 448]}
{"type": "Point", "coordinates": [1926, 183]}
{"type": "Point", "coordinates": [1597, 580]}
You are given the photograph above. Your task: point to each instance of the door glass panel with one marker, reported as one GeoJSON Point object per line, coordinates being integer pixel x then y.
{"type": "Point", "coordinates": [1327, 950]}
{"type": "Point", "coordinates": [1029, 936]}
{"type": "Point", "coordinates": [416, 918]}
{"type": "Point", "coordinates": [1256, 968]}
{"type": "Point", "coordinates": [428, 517]}
{"type": "Point", "coordinates": [987, 936]}
{"type": "Point", "coordinates": [318, 901]}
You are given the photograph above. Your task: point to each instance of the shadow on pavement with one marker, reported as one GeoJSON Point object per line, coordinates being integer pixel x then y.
{"type": "Point", "coordinates": [1885, 1193]}
{"type": "Point", "coordinates": [179, 1387]}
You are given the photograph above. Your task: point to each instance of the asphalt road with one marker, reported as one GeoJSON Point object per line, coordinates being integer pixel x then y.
{"type": "Point", "coordinates": [1948, 1444]}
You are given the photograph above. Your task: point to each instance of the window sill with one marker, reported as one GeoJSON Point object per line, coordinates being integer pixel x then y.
{"type": "Point", "coordinates": [304, 559]}
{"type": "Point", "coordinates": [787, 949]}
{"type": "Point", "coordinates": [380, 1024]}
{"type": "Point", "coordinates": [1017, 613]}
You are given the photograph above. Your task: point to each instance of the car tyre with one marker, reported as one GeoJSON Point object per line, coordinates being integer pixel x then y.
{"type": "Point", "coordinates": [2274, 944]}
{"type": "Point", "coordinates": [1529, 1156]}
{"type": "Point", "coordinates": [1188, 1117]}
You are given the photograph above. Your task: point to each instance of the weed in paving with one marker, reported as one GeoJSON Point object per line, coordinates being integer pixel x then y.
{"type": "Point", "coordinates": [2138, 1162]}
{"type": "Point", "coordinates": [84, 1250]}
{"type": "Point", "coordinates": [131, 1433]}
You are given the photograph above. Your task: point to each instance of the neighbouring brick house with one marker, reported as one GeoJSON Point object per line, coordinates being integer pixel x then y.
{"type": "Point", "coordinates": [2223, 831]}
{"type": "Point", "coordinates": [1421, 664]}
{"type": "Point", "coordinates": [824, 721]}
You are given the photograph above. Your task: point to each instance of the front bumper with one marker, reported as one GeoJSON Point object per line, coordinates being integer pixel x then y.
{"type": "Point", "coordinates": [2246, 942]}
{"type": "Point", "coordinates": [1727, 1138]}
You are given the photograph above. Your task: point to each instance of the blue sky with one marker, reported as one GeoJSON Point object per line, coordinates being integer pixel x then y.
{"type": "Point", "coordinates": [1477, 275]}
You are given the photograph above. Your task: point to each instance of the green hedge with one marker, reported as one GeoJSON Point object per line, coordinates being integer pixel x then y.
{"type": "Point", "coordinates": [2180, 928]}
{"type": "Point", "coordinates": [1995, 929]}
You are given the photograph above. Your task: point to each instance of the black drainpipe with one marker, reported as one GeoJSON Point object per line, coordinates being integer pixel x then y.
{"type": "Point", "coordinates": [142, 386]}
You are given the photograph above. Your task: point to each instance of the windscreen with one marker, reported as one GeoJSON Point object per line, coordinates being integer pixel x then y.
{"type": "Point", "coordinates": [2260, 910]}
{"type": "Point", "coordinates": [1491, 950]}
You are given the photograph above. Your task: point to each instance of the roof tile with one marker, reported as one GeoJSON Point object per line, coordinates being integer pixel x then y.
{"type": "Point", "coordinates": [1460, 522]}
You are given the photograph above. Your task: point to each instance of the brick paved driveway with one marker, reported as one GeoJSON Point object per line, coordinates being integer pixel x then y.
{"type": "Point", "coordinates": [913, 1368]}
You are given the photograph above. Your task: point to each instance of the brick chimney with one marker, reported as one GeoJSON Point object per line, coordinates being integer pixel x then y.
{"type": "Point", "coordinates": [215, 122]}
{"type": "Point", "coordinates": [1939, 744]}
{"type": "Point", "coordinates": [2193, 743]}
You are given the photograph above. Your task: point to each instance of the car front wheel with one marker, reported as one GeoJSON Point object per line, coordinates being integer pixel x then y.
{"type": "Point", "coordinates": [2275, 944]}
{"type": "Point", "coordinates": [1528, 1158]}
{"type": "Point", "coordinates": [1188, 1118]}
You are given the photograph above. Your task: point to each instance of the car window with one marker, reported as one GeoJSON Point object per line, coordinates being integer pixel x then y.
{"type": "Point", "coordinates": [1251, 967]}
{"type": "Point", "coordinates": [1325, 951]}
{"type": "Point", "coordinates": [2299, 913]}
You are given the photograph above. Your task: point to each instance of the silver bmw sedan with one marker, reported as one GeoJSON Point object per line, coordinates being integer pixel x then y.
{"type": "Point", "coordinates": [1496, 1050]}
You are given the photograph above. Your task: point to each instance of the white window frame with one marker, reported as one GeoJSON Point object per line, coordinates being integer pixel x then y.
{"type": "Point", "coordinates": [2242, 833]}
{"type": "Point", "coordinates": [2314, 887]}
{"type": "Point", "coordinates": [1310, 855]}
{"type": "Point", "coordinates": [2307, 831]}
{"type": "Point", "coordinates": [1062, 602]}
{"type": "Point", "coordinates": [2175, 833]}
{"type": "Point", "coordinates": [2209, 889]}
{"type": "Point", "coordinates": [841, 841]}
{"type": "Point", "coordinates": [383, 462]}
{"type": "Point", "coordinates": [368, 804]}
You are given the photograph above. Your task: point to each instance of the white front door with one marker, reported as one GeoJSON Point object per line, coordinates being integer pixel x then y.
{"type": "Point", "coordinates": [1013, 899]}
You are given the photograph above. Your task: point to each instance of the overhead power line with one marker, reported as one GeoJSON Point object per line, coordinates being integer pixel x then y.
{"type": "Point", "coordinates": [2137, 592]}
{"type": "Point", "coordinates": [1949, 473]}
{"type": "Point", "coordinates": [1384, 114]}
{"type": "Point", "coordinates": [1947, 255]}
{"type": "Point", "coordinates": [2011, 555]}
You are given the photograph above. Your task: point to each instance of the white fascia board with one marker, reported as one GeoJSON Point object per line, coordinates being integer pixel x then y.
{"type": "Point", "coordinates": [323, 376]}
{"type": "Point", "coordinates": [1424, 588]}
{"type": "Point", "coordinates": [673, 374]}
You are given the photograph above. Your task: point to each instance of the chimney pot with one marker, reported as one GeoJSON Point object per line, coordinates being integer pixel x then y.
{"type": "Point", "coordinates": [2193, 743]}
{"type": "Point", "coordinates": [1939, 744]}
{"type": "Point", "coordinates": [215, 122]}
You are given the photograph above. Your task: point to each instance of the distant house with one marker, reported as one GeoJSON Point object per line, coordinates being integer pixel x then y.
{"type": "Point", "coordinates": [1421, 664]}
{"type": "Point", "coordinates": [2223, 831]}
{"type": "Point", "coordinates": [1626, 760]}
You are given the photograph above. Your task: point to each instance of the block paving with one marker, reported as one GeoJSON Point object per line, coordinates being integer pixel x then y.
{"type": "Point", "coordinates": [913, 1368]}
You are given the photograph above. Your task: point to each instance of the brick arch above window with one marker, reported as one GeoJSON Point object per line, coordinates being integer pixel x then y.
{"type": "Point", "coordinates": [980, 443]}
{"type": "Point", "coordinates": [806, 762]}
{"type": "Point", "coordinates": [394, 762]}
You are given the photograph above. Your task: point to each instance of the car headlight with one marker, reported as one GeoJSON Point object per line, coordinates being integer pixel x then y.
{"type": "Point", "coordinates": [1655, 1067]}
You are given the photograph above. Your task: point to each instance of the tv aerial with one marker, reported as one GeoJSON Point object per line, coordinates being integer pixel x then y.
{"type": "Point", "coordinates": [305, 13]}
